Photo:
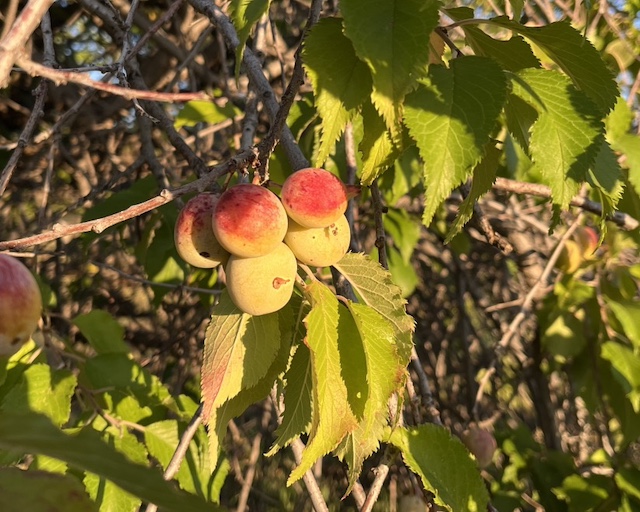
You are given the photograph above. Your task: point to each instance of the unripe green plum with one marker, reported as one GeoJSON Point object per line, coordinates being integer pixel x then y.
{"type": "Point", "coordinates": [20, 305]}
{"type": "Point", "coordinates": [193, 234]}
{"type": "Point", "coordinates": [249, 220]}
{"type": "Point", "coordinates": [319, 247]}
{"type": "Point", "coordinates": [481, 444]}
{"type": "Point", "coordinates": [263, 284]}
{"type": "Point", "coordinates": [314, 198]}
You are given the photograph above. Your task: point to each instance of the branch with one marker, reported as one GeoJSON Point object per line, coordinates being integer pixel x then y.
{"type": "Point", "coordinates": [61, 77]}
{"type": "Point", "coordinates": [534, 189]}
{"type": "Point", "coordinates": [16, 39]}
{"type": "Point", "coordinates": [244, 158]}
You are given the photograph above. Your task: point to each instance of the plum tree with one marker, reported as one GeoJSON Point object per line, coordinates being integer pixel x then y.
{"type": "Point", "coordinates": [20, 304]}
{"type": "Point", "coordinates": [249, 220]}
{"type": "Point", "coordinates": [314, 198]}
{"type": "Point", "coordinates": [263, 284]}
{"type": "Point", "coordinates": [481, 444]}
{"type": "Point", "coordinates": [319, 247]}
{"type": "Point", "coordinates": [193, 234]}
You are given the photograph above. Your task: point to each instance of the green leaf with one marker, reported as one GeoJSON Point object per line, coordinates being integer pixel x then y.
{"type": "Point", "coordinates": [627, 313]}
{"type": "Point", "coordinates": [567, 135]}
{"type": "Point", "coordinates": [563, 333]}
{"type": "Point", "coordinates": [298, 398]}
{"type": "Point", "coordinates": [403, 272]}
{"type": "Point", "coordinates": [39, 491]}
{"type": "Point", "coordinates": [124, 377]}
{"type": "Point", "coordinates": [238, 350]}
{"type": "Point", "coordinates": [341, 81]}
{"type": "Point", "coordinates": [627, 370]}
{"type": "Point", "coordinates": [378, 151]}
{"type": "Point", "coordinates": [484, 174]}
{"type": "Point", "coordinates": [391, 36]}
{"type": "Point", "coordinates": [332, 416]}
{"type": "Point", "coordinates": [385, 375]}
{"type": "Point", "coordinates": [576, 57]}
{"type": "Point", "coordinates": [514, 54]}
{"type": "Point", "coordinates": [404, 231]}
{"type": "Point", "coordinates": [451, 117]}
{"type": "Point", "coordinates": [235, 406]}
{"type": "Point", "coordinates": [444, 466]}
{"type": "Point", "coordinates": [44, 390]}
{"type": "Point", "coordinates": [109, 496]}
{"type": "Point", "coordinates": [103, 332]}
{"type": "Point", "coordinates": [629, 145]}
{"type": "Point", "coordinates": [34, 433]}
{"type": "Point", "coordinates": [619, 121]}
{"type": "Point", "coordinates": [245, 14]}
{"type": "Point", "coordinates": [605, 177]}
{"type": "Point", "coordinates": [204, 111]}
{"type": "Point", "coordinates": [376, 289]}
{"type": "Point", "coordinates": [162, 438]}
{"type": "Point", "coordinates": [520, 117]}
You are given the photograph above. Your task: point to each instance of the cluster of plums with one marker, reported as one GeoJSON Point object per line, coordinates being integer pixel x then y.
{"type": "Point", "coordinates": [259, 238]}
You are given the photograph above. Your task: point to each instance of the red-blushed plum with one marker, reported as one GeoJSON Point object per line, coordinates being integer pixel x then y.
{"type": "Point", "coordinates": [193, 234]}
{"type": "Point", "coordinates": [249, 220]}
{"type": "Point", "coordinates": [20, 304]}
{"type": "Point", "coordinates": [314, 198]}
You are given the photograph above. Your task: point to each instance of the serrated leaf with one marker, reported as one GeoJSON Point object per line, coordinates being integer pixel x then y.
{"type": "Point", "coordinates": [220, 417]}
{"type": "Point", "coordinates": [238, 351]}
{"type": "Point", "coordinates": [384, 373]}
{"type": "Point", "coordinates": [103, 332]}
{"type": "Point", "coordinates": [451, 117]}
{"type": "Point", "coordinates": [245, 14]}
{"type": "Point", "coordinates": [513, 54]}
{"type": "Point", "coordinates": [444, 466]}
{"type": "Point", "coordinates": [605, 177]}
{"type": "Point", "coordinates": [484, 174]}
{"type": "Point", "coordinates": [619, 121]}
{"type": "Point", "coordinates": [34, 433]}
{"type": "Point", "coordinates": [341, 81]}
{"type": "Point", "coordinates": [390, 36]}
{"type": "Point", "coordinates": [332, 416]}
{"type": "Point", "coordinates": [296, 417]}
{"type": "Point", "coordinates": [41, 389]}
{"type": "Point", "coordinates": [627, 370]}
{"type": "Point", "coordinates": [378, 151]}
{"type": "Point", "coordinates": [567, 135]}
{"type": "Point", "coordinates": [576, 57]}
{"type": "Point", "coordinates": [375, 288]}
{"type": "Point", "coordinates": [520, 117]}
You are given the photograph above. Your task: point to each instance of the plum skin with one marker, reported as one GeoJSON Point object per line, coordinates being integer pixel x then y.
{"type": "Point", "coordinates": [193, 234]}
{"type": "Point", "coordinates": [249, 220]}
{"type": "Point", "coordinates": [264, 284]}
{"type": "Point", "coordinates": [319, 247]}
{"type": "Point", "coordinates": [481, 444]}
{"type": "Point", "coordinates": [314, 198]}
{"type": "Point", "coordinates": [20, 305]}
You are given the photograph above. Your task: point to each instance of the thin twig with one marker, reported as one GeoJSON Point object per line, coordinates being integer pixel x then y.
{"type": "Point", "coordinates": [61, 77]}
{"type": "Point", "coordinates": [525, 310]}
{"type": "Point", "coordinates": [535, 189]}
{"type": "Point", "coordinates": [319, 505]}
{"type": "Point", "coordinates": [378, 210]}
{"type": "Point", "coordinates": [15, 41]}
{"type": "Point", "coordinates": [181, 451]}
